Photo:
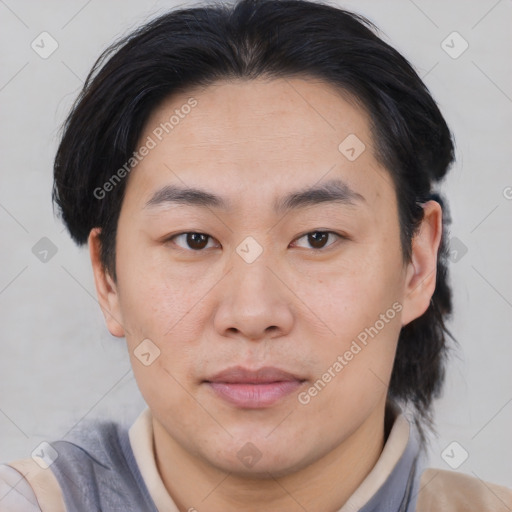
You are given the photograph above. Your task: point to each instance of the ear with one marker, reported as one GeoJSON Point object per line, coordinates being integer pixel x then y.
{"type": "Point", "coordinates": [106, 289]}
{"type": "Point", "coordinates": [421, 272]}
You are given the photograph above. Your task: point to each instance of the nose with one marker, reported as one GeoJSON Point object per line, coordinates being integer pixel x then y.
{"type": "Point", "coordinates": [255, 303]}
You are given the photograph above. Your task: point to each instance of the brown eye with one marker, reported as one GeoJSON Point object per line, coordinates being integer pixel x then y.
{"type": "Point", "coordinates": [318, 239]}
{"type": "Point", "coordinates": [192, 240]}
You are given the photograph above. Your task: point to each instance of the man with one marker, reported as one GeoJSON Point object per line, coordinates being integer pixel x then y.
{"type": "Point", "coordinates": [256, 187]}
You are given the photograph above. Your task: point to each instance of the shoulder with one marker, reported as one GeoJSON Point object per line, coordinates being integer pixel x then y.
{"type": "Point", "coordinates": [34, 484]}
{"type": "Point", "coordinates": [95, 443]}
{"type": "Point", "coordinates": [26, 487]}
{"type": "Point", "coordinates": [450, 491]}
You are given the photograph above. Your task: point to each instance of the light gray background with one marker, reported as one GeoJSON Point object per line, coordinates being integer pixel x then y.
{"type": "Point", "coordinates": [58, 362]}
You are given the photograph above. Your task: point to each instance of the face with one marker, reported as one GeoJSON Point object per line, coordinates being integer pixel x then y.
{"type": "Point", "coordinates": [272, 313]}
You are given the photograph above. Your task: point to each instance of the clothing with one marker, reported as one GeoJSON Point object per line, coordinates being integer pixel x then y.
{"type": "Point", "coordinates": [107, 467]}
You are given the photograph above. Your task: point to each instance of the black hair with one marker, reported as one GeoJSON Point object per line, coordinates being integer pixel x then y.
{"type": "Point", "coordinates": [200, 45]}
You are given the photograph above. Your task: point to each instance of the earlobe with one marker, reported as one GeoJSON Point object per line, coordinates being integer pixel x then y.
{"type": "Point", "coordinates": [421, 273]}
{"type": "Point", "coordinates": [106, 288]}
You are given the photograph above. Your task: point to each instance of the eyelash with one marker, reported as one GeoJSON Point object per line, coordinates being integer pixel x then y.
{"type": "Point", "coordinates": [171, 239]}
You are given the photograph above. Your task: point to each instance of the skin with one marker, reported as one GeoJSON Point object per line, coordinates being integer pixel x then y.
{"type": "Point", "coordinates": [297, 306]}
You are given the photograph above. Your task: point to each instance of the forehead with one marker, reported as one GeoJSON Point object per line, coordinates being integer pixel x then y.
{"type": "Point", "coordinates": [249, 139]}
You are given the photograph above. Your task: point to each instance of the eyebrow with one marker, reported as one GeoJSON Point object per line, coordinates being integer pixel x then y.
{"type": "Point", "coordinates": [332, 191]}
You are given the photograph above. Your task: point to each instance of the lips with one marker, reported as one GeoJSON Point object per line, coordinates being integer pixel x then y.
{"type": "Point", "coordinates": [254, 389]}
{"type": "Point", "coordinates": [266, 374]}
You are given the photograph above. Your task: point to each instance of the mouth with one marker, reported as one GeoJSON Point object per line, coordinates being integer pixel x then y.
{"type": "Point", "coordinates": [254, 389]}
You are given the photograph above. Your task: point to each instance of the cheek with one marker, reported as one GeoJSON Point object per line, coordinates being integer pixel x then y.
{"type": "Point", "coordinates": [156, 297]}
{"type": "Point", "coordinates": [163, 306]}
{"type": "Point", "coordinates": [345, 296]}
{"type": "Point", "coordinates": [353, 371]}
{"type": "Point", "coordinates": [358, 308]}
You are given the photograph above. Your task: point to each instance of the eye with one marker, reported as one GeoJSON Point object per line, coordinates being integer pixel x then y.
{"type": "Point", "coordinates": [193, 240]}
{"type": "Point", "coordinates": [318, 239]}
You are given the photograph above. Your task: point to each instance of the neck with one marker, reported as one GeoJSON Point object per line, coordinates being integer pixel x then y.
{"type": "Point", "coordinates": [324, 485]}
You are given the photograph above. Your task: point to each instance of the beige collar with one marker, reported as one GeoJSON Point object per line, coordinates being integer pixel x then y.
{"type": "Point", "coordinates": [141, 440]}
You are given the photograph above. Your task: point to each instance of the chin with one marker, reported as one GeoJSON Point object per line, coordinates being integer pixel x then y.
{"type": "Point", "coordinates": [258, 459]}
